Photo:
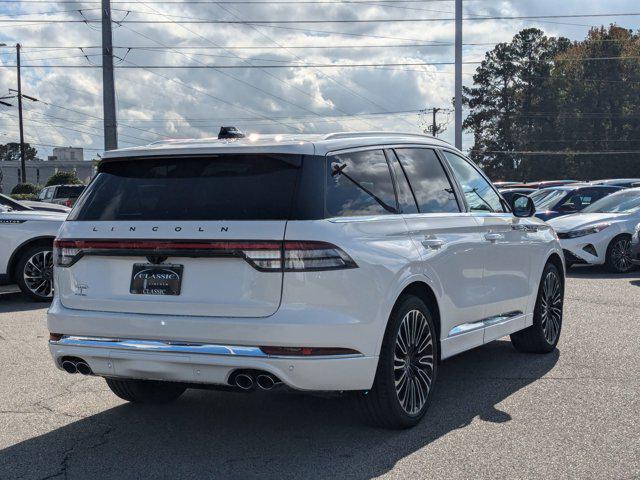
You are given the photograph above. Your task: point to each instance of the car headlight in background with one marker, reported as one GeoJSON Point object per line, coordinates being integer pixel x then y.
{"type": "Point", "coordinates": [586, 231]}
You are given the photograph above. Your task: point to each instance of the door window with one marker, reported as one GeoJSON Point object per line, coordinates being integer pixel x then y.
{"type": "Point", "coordinates": [359, 183]}
{"type": "Point", "coordinates": [478, 192]}
{"type": "Point", "coordinates": [406, 199]}
{"type": "Point", "coordinates": [431, 187]}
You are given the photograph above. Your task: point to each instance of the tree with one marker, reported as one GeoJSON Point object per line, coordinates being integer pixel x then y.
{"type": "Point", "coordinates": [600, 96]}
{"type": "Point", "coordinates": [511, 86]}
{"type": "Point", "coordinates": [543, 94]}
{"type": "Point", "coordinates": [63, 178]}
{"type": "Point", "coordinates": [11, 152]}
{"type": "Point", "coordinates": [24, 188]}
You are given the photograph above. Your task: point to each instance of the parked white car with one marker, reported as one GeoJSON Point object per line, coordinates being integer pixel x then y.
{"type": "Point", "coordinates": [26, 243]}
{"type": "Point", "coordinates": [340, 262]}
{"type": "Point", "coordinates": [601, 233]}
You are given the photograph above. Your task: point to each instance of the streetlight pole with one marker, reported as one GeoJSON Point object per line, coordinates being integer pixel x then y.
{"type": "Point", "coordinates": [458, 76]}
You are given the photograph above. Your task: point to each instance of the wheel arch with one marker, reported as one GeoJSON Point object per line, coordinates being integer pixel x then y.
{"type": "Point", "coordinates": [557, 261]}
{"type": "Point", "coordinates": [424, 292]}
{"type": "Point", "coordinates": [45, 240]}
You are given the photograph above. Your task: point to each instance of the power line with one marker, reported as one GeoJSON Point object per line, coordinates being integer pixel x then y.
{"type": "Point", "coordinates": [560, 152]}
{"type": "Point", "coordinates": [316, 65]}
{"type": "Point", "coordinates": [239, 2]}
{"type": "Point", "coordinates": [302, 21]}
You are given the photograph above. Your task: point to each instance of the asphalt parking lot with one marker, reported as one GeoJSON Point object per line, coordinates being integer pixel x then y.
{"type": "Point", "coordinates": [496, 414]}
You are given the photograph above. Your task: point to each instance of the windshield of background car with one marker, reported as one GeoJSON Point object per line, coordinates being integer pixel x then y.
{"type": "Point", "coordinates": [212, 187]}
{"type": "Point", "coordinates": [616, 203]}
{"type": "Point", "coordinates": [69, 191]}
{"type": "Point", "coordinates": [547, 198]}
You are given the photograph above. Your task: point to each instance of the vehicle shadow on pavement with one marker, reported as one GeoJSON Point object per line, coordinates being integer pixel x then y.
{"type": "Point", "coordinates": [17, 302]}
{"type": "Point", "coordinates": [599, 272]}
{"type": "Point", "coordinates": [270, 435]}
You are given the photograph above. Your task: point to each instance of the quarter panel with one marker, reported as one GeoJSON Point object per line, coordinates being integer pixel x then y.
{"type": "Point", "coordinates": [386, 259]}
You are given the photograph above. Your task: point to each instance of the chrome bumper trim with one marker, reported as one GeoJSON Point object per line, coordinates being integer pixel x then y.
{"type": "Point", "coordinates": [158, 346]}
{"type": "Point", "coordinates": [163, 346]}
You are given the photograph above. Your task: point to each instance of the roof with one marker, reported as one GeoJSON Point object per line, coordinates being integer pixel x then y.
{"type": "Point", "coordinates": [302, 144]}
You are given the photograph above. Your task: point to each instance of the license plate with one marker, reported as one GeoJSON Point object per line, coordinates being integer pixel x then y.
{"type": "Point", "coordinates": [148, 279]}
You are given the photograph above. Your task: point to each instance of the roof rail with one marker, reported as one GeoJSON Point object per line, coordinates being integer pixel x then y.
{"type": "Point", "coordinates": [338, 135]}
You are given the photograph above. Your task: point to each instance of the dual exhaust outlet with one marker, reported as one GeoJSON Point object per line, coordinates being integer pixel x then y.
{"type": "Point", "coordinates": [76, 365]}
{"type": "Point", "coordinates": [246, 380]}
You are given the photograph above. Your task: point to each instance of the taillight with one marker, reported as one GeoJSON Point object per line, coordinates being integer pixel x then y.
{"type": "Point", "coordinates": [68, 203]}
{"type": "Point", "coordinates": [64, 253]}
{"type": "Point", "coordinates": [302, 255]}
{"type": "Point", "coordinates": [263, 255]}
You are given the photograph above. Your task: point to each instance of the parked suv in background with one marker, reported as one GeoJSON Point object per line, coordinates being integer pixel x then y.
{"type": "Point", "coordinates": [340, 262]}
{"type": "Point", "coordinates": [61, 194]}
{"type": "Point", "coordinates": [26, 244]}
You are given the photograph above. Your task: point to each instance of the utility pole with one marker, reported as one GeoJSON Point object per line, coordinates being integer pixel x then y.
{"type": "Point", "coordinates": [434, 126]}
{"type": "Point", "coordinates": [108, 86]}
{"type": "Point", "coordinates": [23, 165]}
{"type": "Point", "coordinates": [458, 76]}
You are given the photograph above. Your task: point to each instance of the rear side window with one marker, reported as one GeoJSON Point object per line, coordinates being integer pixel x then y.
{"type": "Point", "coordinates": [359, 183]}
{"type": "Point", "coordinates": [478, 192]}
{"type": "Point", "coordinates": [429, 181]}
{"type": "Point", "coordinates": [216, 187]}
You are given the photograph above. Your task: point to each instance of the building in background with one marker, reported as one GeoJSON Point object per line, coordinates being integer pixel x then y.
{"type": "Point", "coordinates": [39, 171]}
{"type": "Point", "coordinates": [67, 154]}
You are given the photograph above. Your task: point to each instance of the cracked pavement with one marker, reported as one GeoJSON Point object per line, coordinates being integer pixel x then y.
{"type": "Point", "coordinates": [496, 413]}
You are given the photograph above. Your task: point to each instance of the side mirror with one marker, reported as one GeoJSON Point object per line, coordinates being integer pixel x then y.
{"type": "Point", "coordinates": [522, 206]}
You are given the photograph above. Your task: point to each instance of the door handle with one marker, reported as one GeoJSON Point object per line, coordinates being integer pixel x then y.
{"type": "Point", "coordinates": [492, 237]}
{"type": "Point", "coordinates": [433, 243]}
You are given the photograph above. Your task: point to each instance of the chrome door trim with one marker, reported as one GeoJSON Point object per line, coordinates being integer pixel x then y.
{"type": "Point", "coordinates": [485, 322]}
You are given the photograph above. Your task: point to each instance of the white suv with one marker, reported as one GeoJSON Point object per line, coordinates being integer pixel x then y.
{"type": "Point", "coordinates": [340, 262]}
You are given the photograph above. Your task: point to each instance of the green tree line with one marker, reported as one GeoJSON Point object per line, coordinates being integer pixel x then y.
{"type": "Point", "coordinates": [579, 100]}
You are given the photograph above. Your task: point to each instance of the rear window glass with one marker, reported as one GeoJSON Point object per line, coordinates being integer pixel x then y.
{"type": "Point", "coordinates": [359, 183]}
{"type": "Point", "coordinates": [219, 187]}
{"type": "Point", "coordinates": [69, 191]}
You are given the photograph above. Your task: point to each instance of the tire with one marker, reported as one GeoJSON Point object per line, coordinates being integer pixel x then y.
{"type": "Point", "coordinates": [34, 273]}
{"type": "Point", "coordinates": [145, 391]}
{"type": "Point", "coordinates": [543, 335]}
{"type": "Point", "coordinates": [384, 405]}
{"type": "Point", "coordinates": [618, 259]}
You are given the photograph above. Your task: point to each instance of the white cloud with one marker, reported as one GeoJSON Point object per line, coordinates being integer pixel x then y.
{"type": "Point", "coordinates": [191, 102]}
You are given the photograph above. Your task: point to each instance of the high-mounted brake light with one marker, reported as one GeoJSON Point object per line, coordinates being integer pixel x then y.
{"type": "Point", "coordinates": [263, 255]}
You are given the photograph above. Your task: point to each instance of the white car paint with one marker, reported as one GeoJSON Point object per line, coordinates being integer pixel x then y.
{"type": "Point", "coordinates": [484, 272]}
{"type": "Point", "coordinates": [623, 223]}
{"type": "Point", "coordinates": [18, 230]}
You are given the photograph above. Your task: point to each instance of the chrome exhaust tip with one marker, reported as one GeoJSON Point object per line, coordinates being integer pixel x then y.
{"type": "Point", "coordinates": [267, 382]}
{"type": "Point", "coordinates": [69, 367]}
{"type": "Point", "coordinates": [83, 368]}
{"type": "Point", "coordinates": [244, 381]}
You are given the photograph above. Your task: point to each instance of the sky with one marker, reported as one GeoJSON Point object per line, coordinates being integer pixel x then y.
{"type": "Point", "coordinates": [155, 104]}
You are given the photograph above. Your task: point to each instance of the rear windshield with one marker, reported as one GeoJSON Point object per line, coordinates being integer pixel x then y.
{"type": "Point", "coordinates": [217, 187]}
{"type": "Point", "coordinates": [71, 191]}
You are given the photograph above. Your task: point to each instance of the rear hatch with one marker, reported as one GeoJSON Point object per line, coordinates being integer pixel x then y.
{"type": "Point", "coordinates": [180, 236]}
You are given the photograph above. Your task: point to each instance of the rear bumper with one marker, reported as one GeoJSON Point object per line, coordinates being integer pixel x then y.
{"type": "Point", "coordinates": [212, 364]}
{"type": "Point", "coordinates": [209, 350]}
